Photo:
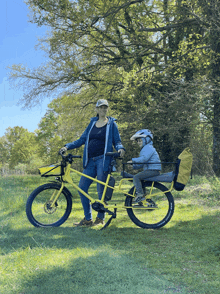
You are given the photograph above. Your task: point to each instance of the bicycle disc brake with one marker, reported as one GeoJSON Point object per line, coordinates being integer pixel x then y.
{"type": "Point", "coordinates": [48, 208]}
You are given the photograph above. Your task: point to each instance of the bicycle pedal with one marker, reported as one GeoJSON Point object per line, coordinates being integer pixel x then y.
{"type": "Point", "coordinates": [152, 205]}
{"type": "Point", "coordinates": [139, 204]}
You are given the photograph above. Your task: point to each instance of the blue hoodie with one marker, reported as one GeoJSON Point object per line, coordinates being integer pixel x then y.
{"type": "Point", "coordinates": [149, 155]}
{"type": "Point", "coordinates": [112, 139]}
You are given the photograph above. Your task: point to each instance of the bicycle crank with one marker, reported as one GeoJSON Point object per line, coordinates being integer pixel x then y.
{"type": "Point", "coordinates": [99, 207]}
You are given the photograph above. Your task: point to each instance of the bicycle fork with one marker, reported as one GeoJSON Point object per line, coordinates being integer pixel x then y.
{"type": "Point", "coordinates": [55, 196]}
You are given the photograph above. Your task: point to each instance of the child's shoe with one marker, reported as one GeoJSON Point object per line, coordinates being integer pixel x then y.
{"type": "Point", "coordinates": [139, 198]}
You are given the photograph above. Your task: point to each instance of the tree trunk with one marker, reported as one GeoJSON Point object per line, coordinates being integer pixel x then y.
{"type": "Point", "coordinates": [215, 44]}
{"type": "Point", "coordinates": [216, 132]}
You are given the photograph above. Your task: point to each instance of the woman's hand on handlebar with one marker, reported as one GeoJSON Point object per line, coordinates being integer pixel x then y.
{"type": "Point", "coordinates": [62, 150]}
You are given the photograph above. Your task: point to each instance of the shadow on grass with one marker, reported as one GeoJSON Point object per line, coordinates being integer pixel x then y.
{"type": "Point", "coordinates": [104, 272]}
{"type": "Point", "coordinates": [118, 259]}
{"type": "Point", "coordinates": [204, 229]}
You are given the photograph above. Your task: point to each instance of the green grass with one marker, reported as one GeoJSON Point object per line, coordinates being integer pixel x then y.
{"type": "Point", "coordinates": [182, 257]}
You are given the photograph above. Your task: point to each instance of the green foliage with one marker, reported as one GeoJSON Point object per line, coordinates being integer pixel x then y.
{"type": "Point", "coordinates": [92, 38]}
{"type": "Point", "coordinates": [12, 135]}
{"type": "Point", "coordinates": [156, 62]}
{"type": "Point", "coordinates": [34, 164]}
{"type": "Point", "coordinates": [19, 148]}
{"type": "Point", "coordinates": [4, 151]}
{"type": "Point", "coordinates": [202, 149]}
{"type": "Point", "coordinates": [21, 168]}
{"type": "Point", "coordinates": [23, 149]}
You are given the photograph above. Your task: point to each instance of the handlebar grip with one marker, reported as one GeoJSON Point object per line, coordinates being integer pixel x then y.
{"type": "Point", "coordinates": [68, 155]}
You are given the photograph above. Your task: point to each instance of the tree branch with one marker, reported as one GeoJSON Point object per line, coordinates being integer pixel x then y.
{"type": "Point", "coordinates": [172, 26]}
{"type": "Point", "coordinates": [114, 10]}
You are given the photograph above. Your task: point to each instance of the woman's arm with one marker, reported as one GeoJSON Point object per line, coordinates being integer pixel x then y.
{"type": "Point", "coordinates": [80, 141]}
{"type": "Point", "coordinates": [117, 140]}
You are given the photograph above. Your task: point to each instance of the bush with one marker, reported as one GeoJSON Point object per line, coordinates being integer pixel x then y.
{"type": "Point", "coordinates": [20, 169]}
{"type": "Point", "coordinates": [35, 163]}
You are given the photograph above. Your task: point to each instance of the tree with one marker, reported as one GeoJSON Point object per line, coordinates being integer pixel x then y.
{"type": "Point", "coordinates": [18, 146]}
{"type": "Point", "coordinates": [208, 16]}
{"type": "Point", "coordinates": [89, 36]}
{"type": "Point", "coordinates": [4, 151]}
{"type": "Point", "coordinates": [23, 150]}
{"type": "Point", "coordinates": [12, 135]}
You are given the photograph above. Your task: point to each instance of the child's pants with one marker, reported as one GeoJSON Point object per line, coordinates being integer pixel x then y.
{"type": "Point", "coordinates": [143, 175]}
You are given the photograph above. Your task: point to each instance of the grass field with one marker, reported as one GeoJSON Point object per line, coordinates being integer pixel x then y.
{"type": "Point", "coordinates": [182, 257]}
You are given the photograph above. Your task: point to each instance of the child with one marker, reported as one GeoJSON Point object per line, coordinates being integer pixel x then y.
{"type": "Point", "coordinates": [149, 156]}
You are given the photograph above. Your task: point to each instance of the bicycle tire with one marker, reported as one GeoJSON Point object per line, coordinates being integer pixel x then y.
{"type": "Point", "coordinates": [152, 218]}
{"type": "Point", "coordinates": [38, 209]}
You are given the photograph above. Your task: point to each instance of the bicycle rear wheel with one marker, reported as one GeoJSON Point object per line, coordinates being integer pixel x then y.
{"type": "Point", "coordinates": [39, 211]}
{"type": "Point", "coordinates": [153, 213]}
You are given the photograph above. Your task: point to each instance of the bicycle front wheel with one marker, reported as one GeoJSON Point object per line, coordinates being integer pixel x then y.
{"type": "Point", "coordinates": [156, 211]}
{"type": "Point", "coordinates": [40, 211]}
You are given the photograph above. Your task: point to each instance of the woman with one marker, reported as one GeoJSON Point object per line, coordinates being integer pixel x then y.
{"type": "Point", "coordinates": [99, 137]}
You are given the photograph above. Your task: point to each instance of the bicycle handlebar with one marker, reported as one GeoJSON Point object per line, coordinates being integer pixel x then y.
{"type": "Point", "coordinates": [113, 154]}
{"type": "Point", "coordinates": [69, 156]}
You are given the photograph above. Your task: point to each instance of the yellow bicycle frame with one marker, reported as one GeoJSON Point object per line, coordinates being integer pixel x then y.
{"type": "Point", "coordinates": [67, 178]}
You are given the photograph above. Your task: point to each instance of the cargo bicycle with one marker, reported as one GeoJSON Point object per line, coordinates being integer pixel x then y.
{"type": "Point", "coordinates": [50, 204]}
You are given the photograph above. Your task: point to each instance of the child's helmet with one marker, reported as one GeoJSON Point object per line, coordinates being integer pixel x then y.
{"type": "Point", "coordinates": [145, 133]}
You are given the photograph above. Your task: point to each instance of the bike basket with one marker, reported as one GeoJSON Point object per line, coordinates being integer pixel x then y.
{"type": "Point", "coordinates": [51, 170]}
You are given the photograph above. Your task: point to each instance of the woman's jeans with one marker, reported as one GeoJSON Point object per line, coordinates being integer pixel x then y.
{"type": "Point", "coordinates": [94, 168]}
{"type": "Point", "coordinates": [141, 176]}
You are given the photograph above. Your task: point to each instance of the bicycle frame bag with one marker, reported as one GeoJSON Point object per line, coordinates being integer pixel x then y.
{"type": "Point", "coordinates": [183, 169]}
{"type": "Point", "coordinates": [51, 170]}
{"type": "Point", "coordinates": [109, 191]}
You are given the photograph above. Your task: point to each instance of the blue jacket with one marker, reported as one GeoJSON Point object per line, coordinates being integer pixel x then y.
{"type": "Point", "coordinates": [149, 155]}
{"type": "Point", "coordinates": [112, 139]}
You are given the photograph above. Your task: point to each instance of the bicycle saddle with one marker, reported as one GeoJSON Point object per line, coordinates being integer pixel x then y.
{"type": "Point", "coordinates": [166, 177]}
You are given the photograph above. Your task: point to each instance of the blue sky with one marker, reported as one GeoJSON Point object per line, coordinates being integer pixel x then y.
{"type": "Point", "coordinates": [18, 38]}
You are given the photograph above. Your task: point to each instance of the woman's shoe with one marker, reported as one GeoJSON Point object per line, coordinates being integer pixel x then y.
{"type": "Point", "coordinates": [98, 221]}
{"type": "Point", "coordinates": [84, 222]}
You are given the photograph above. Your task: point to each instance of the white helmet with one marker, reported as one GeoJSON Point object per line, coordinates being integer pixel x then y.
{"type": "Point", "coordinates": [145, 133]}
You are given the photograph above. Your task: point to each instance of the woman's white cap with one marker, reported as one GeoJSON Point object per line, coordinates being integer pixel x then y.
{"type": "Point", "coordinates": [101, 102]}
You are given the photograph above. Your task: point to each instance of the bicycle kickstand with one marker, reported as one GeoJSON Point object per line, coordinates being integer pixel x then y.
{"type": "Point", "coordinates": [109, 221]}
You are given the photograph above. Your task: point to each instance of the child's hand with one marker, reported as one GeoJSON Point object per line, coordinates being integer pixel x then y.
{"type": "Point", "coordinates": [130, 166]}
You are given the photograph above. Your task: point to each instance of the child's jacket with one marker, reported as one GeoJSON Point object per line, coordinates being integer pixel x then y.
{"type": "Point", "coordinates": [147, 154]}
